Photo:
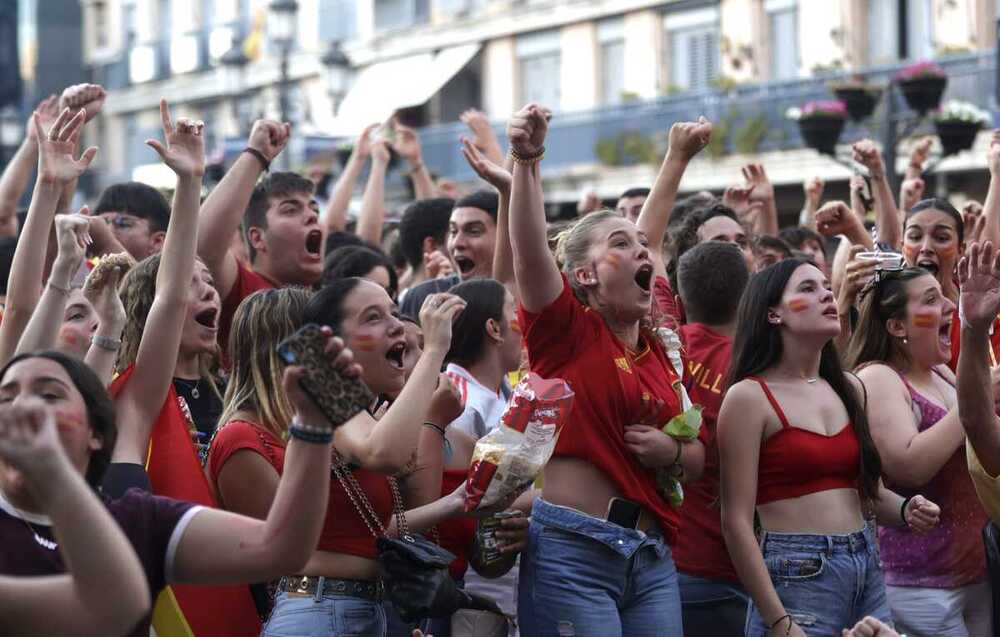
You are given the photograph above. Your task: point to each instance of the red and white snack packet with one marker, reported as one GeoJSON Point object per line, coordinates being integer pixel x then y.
{"type": "Point", "coordinates": [507, 460]}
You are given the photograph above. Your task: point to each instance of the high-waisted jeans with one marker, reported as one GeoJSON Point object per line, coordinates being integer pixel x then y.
{"type": "Point", "coordinates": [826, 582]}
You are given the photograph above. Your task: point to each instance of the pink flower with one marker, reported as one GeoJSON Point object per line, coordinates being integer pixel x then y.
{"type": "Point", "coordinates": [922, 69]}
{"type": "Point", "coordinates": [824, 108]}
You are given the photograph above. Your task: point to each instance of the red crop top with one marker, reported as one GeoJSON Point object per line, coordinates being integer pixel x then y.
{"type": "Point", "coordinates": [343, 530]}
{"type": "Point", "coordinates": [795, 462]}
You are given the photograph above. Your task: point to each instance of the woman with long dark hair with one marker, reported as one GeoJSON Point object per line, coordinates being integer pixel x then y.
{"type": "Point", "coordinates": [795, 449]}
{"type": "Point", "coordinates": [936, 582]}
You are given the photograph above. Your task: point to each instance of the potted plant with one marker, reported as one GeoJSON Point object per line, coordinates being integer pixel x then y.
{"type": "Point", "coordinates": [957, 125]}
{"type": "Point", "coordinates": [859, 98]}
{"type": "Point", "coordinates": [922, 84]}
{"type": "Point", "coordinates": [820, 122]}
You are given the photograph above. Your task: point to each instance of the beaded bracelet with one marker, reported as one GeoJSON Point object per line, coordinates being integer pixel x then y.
{"type": "Point", "coordinates": [527, 160]}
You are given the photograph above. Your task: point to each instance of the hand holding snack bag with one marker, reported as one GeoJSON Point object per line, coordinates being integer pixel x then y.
{"type": "Point", "coordinates": [507, 460]}
{"type": "Point", "coordinates": [685, 426]}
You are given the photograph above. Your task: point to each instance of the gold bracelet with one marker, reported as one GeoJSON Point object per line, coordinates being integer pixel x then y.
{"type": "Point", "coordinates": [527, 160]}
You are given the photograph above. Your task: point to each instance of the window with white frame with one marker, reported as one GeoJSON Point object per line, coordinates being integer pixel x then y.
{"type": "Point", "coordinates": [692, 47]}
{"type": "Point", "coordinates": [783, 34]}
{"type": "Point", "coordinates": [886, 43]}
{"type": "Point", "coordinates": [611, 40]}
{"type": "Point", "coordinates": [539, 62]}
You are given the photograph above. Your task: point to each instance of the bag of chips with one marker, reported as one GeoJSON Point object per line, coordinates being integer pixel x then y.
{"type": "Point", "coordinates": [507, 460]}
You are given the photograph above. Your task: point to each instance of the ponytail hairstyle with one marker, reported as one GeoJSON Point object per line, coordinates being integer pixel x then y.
{"type": "Point", "coordinates": [757, 347]}
{"type": "Point", "coordinates": [885, 299]}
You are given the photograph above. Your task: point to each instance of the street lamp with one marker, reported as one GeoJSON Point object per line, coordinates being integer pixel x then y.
{"type": "Point", "coordinates": [281, 26]}
{"type": "Point", "coordinates": [338, 72]}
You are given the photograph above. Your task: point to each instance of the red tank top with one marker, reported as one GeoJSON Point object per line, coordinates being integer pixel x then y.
{"type": "Point", "coordinates": [795, 462]}
{"type": "Point", "coordinates": [458, 533]}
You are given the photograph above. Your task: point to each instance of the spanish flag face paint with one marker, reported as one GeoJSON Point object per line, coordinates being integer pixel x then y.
{"type": "Point", "coordinates": [365, 343]}
{"type": "Point", "coordinates": [925, 320]}
{"type": "Point", "coordinates": [515, 327]}
{"type": "Point", "coordinates": [798, 305]}
{"type": "Point", "coordinates": [613, 260]}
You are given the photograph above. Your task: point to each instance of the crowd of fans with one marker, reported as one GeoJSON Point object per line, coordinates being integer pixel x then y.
{"type": "Point", "coordinates": [845, 381]}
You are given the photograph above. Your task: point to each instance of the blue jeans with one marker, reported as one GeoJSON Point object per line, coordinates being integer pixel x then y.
{"type": "Point", "coordinates": [586, 577]}
{"type": "Point", "coordinates": [712, 607]}
{"type": "Point", "coordinates": [328, 615]}
{"type": "Point", "coordinates": [826, 582]}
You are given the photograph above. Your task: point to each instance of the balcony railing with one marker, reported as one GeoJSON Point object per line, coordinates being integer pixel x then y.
{"type": "Point", "coordinates": [574, 137]}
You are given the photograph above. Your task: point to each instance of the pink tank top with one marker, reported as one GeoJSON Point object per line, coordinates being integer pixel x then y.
{"type": "Point", "coordinates": [952, 554]}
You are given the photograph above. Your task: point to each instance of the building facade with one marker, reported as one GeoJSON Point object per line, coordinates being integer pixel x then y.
{"type": "Point", "coordinates": [617, 73]}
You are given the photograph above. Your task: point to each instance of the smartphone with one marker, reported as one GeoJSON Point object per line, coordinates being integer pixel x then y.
{"type": "Point", "coordinates": [624, 512]}
{"type": "Point", "coordinates": [338, 397]}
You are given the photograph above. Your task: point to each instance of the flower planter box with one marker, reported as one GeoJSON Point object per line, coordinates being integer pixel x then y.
{"type": "Point", "coordinates": [923, 93]}
{"type": "Point", "coordinates": [859, 100]}
{"type": "Point", "coordinates": [956, 136]}
{"type": "Point", "coordinates": [821, 133]}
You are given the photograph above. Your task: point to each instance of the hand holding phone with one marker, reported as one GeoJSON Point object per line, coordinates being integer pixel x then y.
{"type": "Point", "coordinates": [339, 396]}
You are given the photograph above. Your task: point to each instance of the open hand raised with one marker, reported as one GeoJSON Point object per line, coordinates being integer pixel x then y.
{"type": "Point", "coordinates": [185, 149]}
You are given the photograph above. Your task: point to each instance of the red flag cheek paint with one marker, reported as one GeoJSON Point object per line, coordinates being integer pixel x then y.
{"type": "Point", "coordinates": [69, 335]}
{"type": "Point", "coordinates": [365, 343]}
{"type": "Point", "coordinates": [925, 320]}
{"type": "Point", "coordinates": [613, 260]}
{"type": "Point", "coordinates": [798, 305]}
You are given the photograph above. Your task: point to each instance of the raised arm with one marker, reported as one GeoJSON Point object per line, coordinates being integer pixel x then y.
{"type": "Point", "coordinates": [991, 207]}
{"type": "Point", "coordinates": [223, 210]}
{"type": "Point", "coordinates": [335, 218]}
{"type": "Point", "coordinates": [56, 167]}
{"type": "Point", "coordinates": [483, 136]}
{"type": "Point", "coordinates": [813, 189]}
{"type": "Point", "coordinates": [88, 98]}
{"type": "Point", "coordinates": [407, 144]}
{"type": "Point", "coordinates": [43, 327]}
{"type": "Point", "coordinates": [539, 282]}
{"type": "Point", "coordinates": [887, 219]}
{"type": "Point", "coordinates": [423, 485]}
{"type": "Point", "coordinates": [141, 399]}
{"type": "Point", "coordinates": [223, 547]}
{"type": "Point", "coordinates": [388, 445]}
{"type": "Point", "coordinates": [17, 175]}
{"type": "Point", "coordinates": [105, 591]}
{"type": "Point", "coordinates": [499, 177]}
{"type": "Point", "coordinates": [373, 203]}
{"type": "Point", "coordinates": [979, 281]}
{"type": "Point", "coordinates": [101, 289]}
{"type": "Point", "coordinates": [762, 197]}
{"type": "Point", "coordinates": [910, 458]}
{"type": "Point", "coordinates": [686, 140]}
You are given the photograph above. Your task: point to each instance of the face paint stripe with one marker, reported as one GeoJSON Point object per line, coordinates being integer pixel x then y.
{"type": "Point", "coordinates": [798, 305]}
{"type": "Point", "coordinates": [924, 320]}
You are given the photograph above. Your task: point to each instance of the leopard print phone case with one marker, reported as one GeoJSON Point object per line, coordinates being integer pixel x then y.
{"type": "Point", "coordinates": [338, 396]}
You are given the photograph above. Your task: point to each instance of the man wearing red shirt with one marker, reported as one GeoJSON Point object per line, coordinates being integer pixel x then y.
{"type": "Point", "coordinates": [711, 277]}
{"type": "Point", "coordinates": [280, 224]}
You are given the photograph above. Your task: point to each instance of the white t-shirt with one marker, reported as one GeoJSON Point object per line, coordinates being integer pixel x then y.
{"type": "Point", "coordinates": [483, 409]}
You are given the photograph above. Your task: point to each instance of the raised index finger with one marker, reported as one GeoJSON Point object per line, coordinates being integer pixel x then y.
{"type": "Point", "coordinates": [168, 126]}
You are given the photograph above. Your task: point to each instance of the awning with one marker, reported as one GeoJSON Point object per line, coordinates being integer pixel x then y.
{"type": "Point", "coordinates": [385, 87]}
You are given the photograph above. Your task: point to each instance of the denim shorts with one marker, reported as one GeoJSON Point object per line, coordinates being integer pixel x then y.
{"type": "Point", "coordinates": [825, 582]}
{"type": "Point", "coordinates": [582, 576]}
{"type": "Point", "coordinates": [712, 607]}
{"type": "Point", "coordinates": [329, 615]}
